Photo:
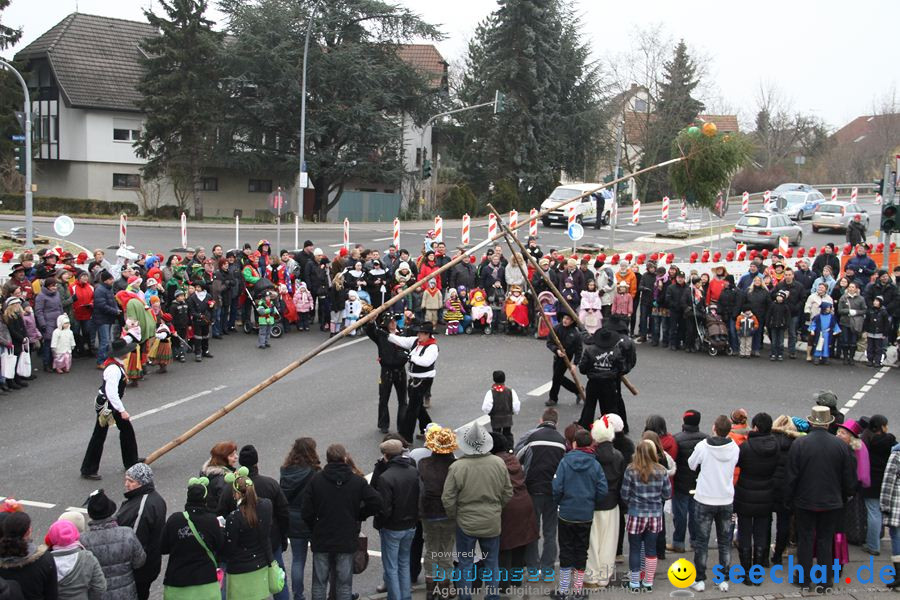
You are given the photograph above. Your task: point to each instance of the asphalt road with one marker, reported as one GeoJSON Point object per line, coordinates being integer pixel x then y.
{"type": "Point", "coordinates": [44, 429]}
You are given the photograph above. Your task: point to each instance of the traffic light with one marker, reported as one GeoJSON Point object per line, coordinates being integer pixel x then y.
{"type": "Point", "coordinates": [20, 159]}
{"type": "Point", "coordinates": [426, 169]}
{"type": "Point", "coordinates": [880, 189]}
{"type": "Point", "coordinates": [889, 222]}
{"type": "Point", "coordinates": [499, 102]}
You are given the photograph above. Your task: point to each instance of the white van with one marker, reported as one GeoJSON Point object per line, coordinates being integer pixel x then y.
{"type": "Point", "coordinates": [585, 210]}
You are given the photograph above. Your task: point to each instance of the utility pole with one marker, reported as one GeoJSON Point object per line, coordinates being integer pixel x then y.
{"type": "Point", "coordinates": [614, 209]}
{"type": "Point", "coordinates": [888, 204]}
{"type": "Point", "coordinates": [29, 199]}
{"type": "Point", "coordinates": [303, 177]}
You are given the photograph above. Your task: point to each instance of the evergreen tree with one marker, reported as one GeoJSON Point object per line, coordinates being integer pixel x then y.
{"type": "Point", "coordinates": [180, 96]}
{"type": "Point", "coordinates": [529, 50]}
{"type": "Point", "coordinates": [675, 109]}
{"type": "Point", "coordinates": [11, 100]}
{"type": "Point", "coordinates": [358, 89]}
{"type": "Point", "coordinates": [8, 35]}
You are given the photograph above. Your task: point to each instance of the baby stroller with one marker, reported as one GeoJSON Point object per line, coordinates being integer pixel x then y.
{"type": "Point", "coordinates": [259, 288]}
{"type": "Point", "coordinates": [547, 304]}
{"type": "Point", "coordinates": [714, 336]}
{"type": "Point", "coordinates": [516, 311]}
{"type": "Point", "coordinates": [482, 317]}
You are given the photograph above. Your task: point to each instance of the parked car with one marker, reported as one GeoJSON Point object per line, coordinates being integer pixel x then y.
{"type": "Point", "coordinates": [791, 187]}
{"type": "Point", "coordinates": [837, 215]}
{"type": "Point", "coordinates": [585, 210]}
{"type": "Point", "coordinates": [798, 204]}
{"type": "Point", "coordinates": [764, 229]}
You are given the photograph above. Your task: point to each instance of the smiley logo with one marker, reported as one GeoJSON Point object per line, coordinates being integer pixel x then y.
{"type": "Point", "coordinates": [682, 573]}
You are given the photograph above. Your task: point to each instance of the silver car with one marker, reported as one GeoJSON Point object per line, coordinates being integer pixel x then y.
{"type": "Point", "coordinates": [837, 215]}
{"type": "Point", "coordinates": [765, 229]}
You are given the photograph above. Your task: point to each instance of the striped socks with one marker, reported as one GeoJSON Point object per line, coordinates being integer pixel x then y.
{"type": "Point", "coordinates": [649, 570]}
{"type": "Point", "coordinates": [565, 577]}
{"type": "Point", "coordinates": [579, 580]}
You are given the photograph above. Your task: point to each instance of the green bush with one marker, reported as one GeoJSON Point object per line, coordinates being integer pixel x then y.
{"type": "Point", "coordinates": [505, 197]}
{"type": "Point", "coordinates": [459, 201]}
{"type": "Point", "coordinates": [78, 206]}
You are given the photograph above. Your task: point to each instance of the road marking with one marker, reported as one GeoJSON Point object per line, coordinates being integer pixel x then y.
{"type": "Point", "coordinates": [865, 388]}
{"type": "Point", "coordinates": [175, 403]}
{"type": "Point", "coordinates": [381, 239]}
{"type": "Point", "coordinates": [335, 348]}
{"type": "Point", "coordinates": [541, 389]}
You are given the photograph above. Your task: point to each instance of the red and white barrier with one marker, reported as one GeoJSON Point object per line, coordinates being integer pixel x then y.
{"type": "Point", "coordinates": [833, 194]}
{"type": "Point", "coordinates": [854, 194]}
{"type": "Point", "coordinates": [665, 209]}
{"type": "Point", "coordinates": [878, 199]}
{"type": "Point", "coordinates": [514, 222]}
{"type": "Point", "coordinates": [784, 244]}
{"type": "Point", "coordinates": [532, 224]}
{"type": "Point", "coordinates": [636, 212]}
{"type": "Point", "coordinates": [396, 236]}
{"type": "Point", "coordinates": [237, 231]}
{"type": "Point", "coordinates": [683, 210]}
{"type": "Point", "coordinates": [466, 229]}
{"type": "Point", "coordinates": [123, 230]}
{"type": "Point", "coordinates": [347, 234]}
{"type": "Point", "coordinates": [745, 203]}
{"type": "Point", "coordinates": [767, 198]}
{"type": "Point", "coordinates": [438, 230]}
{"type": "Point", "coordinates": [571, 218]}
{"type": "Point", "coordinates": [492, 226]}
{"type": "Point", "coordinates": [183, 230]}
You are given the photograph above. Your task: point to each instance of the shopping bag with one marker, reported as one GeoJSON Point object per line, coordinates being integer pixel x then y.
{"type": "Point", "coordinates": [8, 364]}
{"type": "Point", "coordinates": [23, 365]}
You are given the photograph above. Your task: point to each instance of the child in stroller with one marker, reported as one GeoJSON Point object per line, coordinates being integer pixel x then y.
{"type": "Point", "coordinates": [547, 302]}
{"type": "Point", "coordinates": [481, 314]}
{"type": "Point", "coordinates": [716, 334]}
{"type": "Point", "coordinates": [516, 309]}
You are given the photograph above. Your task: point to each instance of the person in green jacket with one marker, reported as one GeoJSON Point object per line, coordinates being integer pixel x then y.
{"type": "Point", "coordinates": [266, 311]}
{"type": "Point", "coordinates": [475, 492]}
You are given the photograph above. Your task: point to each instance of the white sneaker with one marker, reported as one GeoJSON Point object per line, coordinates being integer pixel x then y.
{"type": "Point", "coordinates": [723, 587]}
{"type": "Point", "coordinates": [699, 586]}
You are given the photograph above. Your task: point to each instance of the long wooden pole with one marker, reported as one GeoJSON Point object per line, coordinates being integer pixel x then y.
{"type": "Point", "coordinates": [281, 374]}
{"type": "Point", "coordinates": [546, 319]}
{"type": "Point", "coordinates": [554, 289]}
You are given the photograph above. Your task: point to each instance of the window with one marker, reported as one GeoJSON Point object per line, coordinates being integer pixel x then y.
{"type": "Point", "coordinates": [640, 105]}
{"type": "Point", "coordinates": [126, 181]}
{"type": "Point", "coordinates": [126, 135]}
{"type": "Point", "coordinates": [260, 185]}
{"type": "Point", "coordinates": [209, 184]}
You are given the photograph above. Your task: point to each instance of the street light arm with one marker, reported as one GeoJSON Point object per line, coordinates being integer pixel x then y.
{"type": "Point", "coordinates": [29, 207]}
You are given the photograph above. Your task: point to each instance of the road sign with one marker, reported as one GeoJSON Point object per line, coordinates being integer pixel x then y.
{"type": "Point", "coordinates": [277, 200]}
{"type": "Point", "coordinates": [17, 138]}
{"type": "Point", "coordinates": [63, 226]}
{"type": "Point", "coordinates": [575, 232]}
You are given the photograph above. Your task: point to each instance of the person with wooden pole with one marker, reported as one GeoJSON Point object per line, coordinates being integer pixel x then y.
{"type": "Point", "coordinates": [423, 354]}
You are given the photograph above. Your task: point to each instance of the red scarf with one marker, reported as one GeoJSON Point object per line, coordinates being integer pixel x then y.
{"type": "Point", "coordinates": [430, 341]}
{"type": "Point", "coordinates": [498, 387]}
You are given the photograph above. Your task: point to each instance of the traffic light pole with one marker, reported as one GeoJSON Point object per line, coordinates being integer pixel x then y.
{"type": "Point", "coordinates": [29, 199]}
{"type": "Point", "coordinates": [888, 198]}
{"type": "Point", "coordinates": [614, 209]}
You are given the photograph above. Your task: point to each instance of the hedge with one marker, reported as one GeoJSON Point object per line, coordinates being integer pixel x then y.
{"type": "Point", "coordinates": [77, 206]}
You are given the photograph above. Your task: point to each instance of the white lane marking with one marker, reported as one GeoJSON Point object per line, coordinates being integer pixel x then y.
{"type": "Point", "coordinates": [850, 403]}
{"type": "Point", "coordinates": [175, 403]}
{"type": "Point", "coordinates": [858, 396]}
{"type": "Point", "coordinates": [30, 503]}
{"type": "Point", "coordinates": [381, 239]}
{"type": "Point", "coordinates": [872, 381]}
{"type": "Point", "coordinates": [878, 375]}
{"type": "Point", "coordinates": [541, 389]}
{"type": "Point", "coordinates": [334, 348]}
{"type": "Point", "coordinates": [862, 391]}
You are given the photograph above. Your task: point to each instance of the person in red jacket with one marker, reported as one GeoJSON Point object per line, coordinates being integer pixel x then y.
{"type": "Point", "coordinates": [82, 309]}
{"type": "Point", "coordinates": [717, 284]}
{"type": "Point", "coordinates": [427, 267]}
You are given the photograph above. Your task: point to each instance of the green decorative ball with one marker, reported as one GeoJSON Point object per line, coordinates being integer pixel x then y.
{"type": "Point", "coordinates": [693, 130]}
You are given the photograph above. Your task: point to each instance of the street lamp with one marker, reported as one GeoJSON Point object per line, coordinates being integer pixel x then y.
{"type": "Point", "coordinates": [29, 216]}
{"type": "Point", "coordinates": [301, 184]}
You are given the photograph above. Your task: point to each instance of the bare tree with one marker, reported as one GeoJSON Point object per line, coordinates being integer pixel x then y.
{"type": "Point", "coordinates": [149, 195]}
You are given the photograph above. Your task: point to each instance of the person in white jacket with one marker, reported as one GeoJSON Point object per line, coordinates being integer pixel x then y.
{"type": "Point", "coordinates": [62, 343]}
{"type": "Point", "coordinates": [423, 354]}
{"type": "Point", "coordinates": [716, 458]}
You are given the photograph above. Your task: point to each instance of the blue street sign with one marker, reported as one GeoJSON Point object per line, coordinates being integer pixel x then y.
{"type": "Point", "coordinates": [17, 138]}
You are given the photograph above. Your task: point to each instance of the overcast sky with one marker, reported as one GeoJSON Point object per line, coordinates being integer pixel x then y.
{"type": "Point", "coordinates": [831, 58]}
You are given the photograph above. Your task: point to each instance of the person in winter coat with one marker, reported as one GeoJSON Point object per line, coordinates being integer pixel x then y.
{"type": "Point", "coordinates": [822, 330]}
{"type": "Point", "coordinates": [811, 310]}
{"type": "Point", "coordinates": [646, 287]}
{"type": "Point", "coordinates": [856, 232]}
{"type": "Point", "coordinates": [645, 487]}
{"type": "Point", "coordinates": [716, 458]}
{"type": "Point", "coordinates": [78, 572]}
{"type": "Point", "coordinates": [265, 488]}
{"type": "Point", "coordinates": [758, 302]}
{"type": "Point", "coordinates": [305, 305]}
{"type": "Point", "coordinates": [47, 308]}
{"type": "Point", "coordinates": [821, 475]}
{"type": "Point", "coordinates": [201, 306]}
{"type": "Point", "coordinates": [685, 480]}
{"type": "Point", "coordinates": [778, 318]}
{"type": "Point", "coordinates": [862, 266]}
{"type": "Point", "coordinates": [601, 557]}
{"type": "Point", "coordinates": [334, 503]}
{"type": "Point", "coordinates": [603, 361]}
{"type": "Point", "coordinates": [301, 463]}
{"type": "Point", "coordinates": [754, 495]}
{"type": "Point", "coordinates": [82, 311]}
{"type": "Point", "coordinates": [889, 502]}
{"type": "Point", "coordinates": [248, 549]}
{"type": "Point", "coordinates": [463, 274]}
{"type": "Point", "coordinates": [194, 542]}
{"type": "Point", "coordinates": [784, 431]}
{"type": "Point", "coordinates": [879, 443]}
{"type": "Point", "coordinates": [116, 547]}
{"type": "Point", "coordinates": [62, 344]}
{"type": "Point", "coordinates": [675, 302]}
{"type": "Point", "coordinates": [518, 525]}
{"type": "Point", "coordinates": [106, 312]}
{"type": "Point", "coordinates": [579, 485]}
{"type": "Point", "coordinates": [827, 258]}
{"type": "Point", "coordinates": [476, 490]}
{"type": "Point", "coordinates": [144, 510]}
{"type": "Point", "coordinates": [438, 530]}
{"type": "Point", "coordinates": [851, 310]}
{"type": "Point", "coordinates": [223, 459]}
{"type": "Point", "coordinates": [31, 567]}
{"type": "Point", "coordinates": [398, 486]}
{"type": "Point", "coordinates": [876, 326]}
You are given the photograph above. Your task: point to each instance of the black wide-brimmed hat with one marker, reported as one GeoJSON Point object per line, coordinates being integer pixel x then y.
{"type": "Point", "coordinates": [425, 327]}
{"type": "Point", "coordinates": [120, 348]}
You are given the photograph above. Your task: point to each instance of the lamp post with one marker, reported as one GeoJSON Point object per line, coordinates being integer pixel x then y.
{"type": "Point", "coordinates": [301, 184]}
{"type": "Point", "coordinates": [29, 216]}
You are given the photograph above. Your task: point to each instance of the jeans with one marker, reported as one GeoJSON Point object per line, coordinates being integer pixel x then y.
{"type": "Point", "coordinates": [635, 549]}
{"type": "Point", "coordinates": [895, 540]}
{"type": "Point", "coordinates": [218, 324]}
{"type": "Point", "coordinates": [489, 565]}
{"type": "Point", "coordinates": [343, 568]}
{"type": "Point", "coordinates": [733, 338]}
{"type": "Point", "coordinates": [656, 331]}
{"type": "Point", "coordinates": [776, 336]}
{"type": "Point", "coordinates": [263, 337]}
{"type": "Point", "coordinates": [705, 515]}
{"type": "Point", "coordinates": [548, 520]}
{"type": "Point", "coordinates": [285, 593]}
{"type": "Point", "coordinates": [102, 342]}
{"type": "Point", "coordinates": [645, 325]}
{"type": "Point", "coordinates": [758, 338]}
{"type": "Point", "coordinates": [395, 548]}
{"type": "Point", "coordinates": [848, 342]}
{"type": "Point", "coordinates": [299, 549]}
{"type": "Point", "coordinates": [235, 309]}
{"type": "Point", "coordinates": [873, 524]}
{"type": "Point", "coordinates": [83, 332]}
{"type": "Point", "coordinates": [793, 325]}
{"type": "Point", "coordinates": [683, 517]}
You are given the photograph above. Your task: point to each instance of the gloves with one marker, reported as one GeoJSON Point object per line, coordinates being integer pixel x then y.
{"type": "Point", "coordinates": [852, 312]}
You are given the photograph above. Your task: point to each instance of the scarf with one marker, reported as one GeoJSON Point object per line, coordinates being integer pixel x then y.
{"type": "Point", "coordinates": [201, 295]}
{"type": "Point", "coordinates": [498, 387]}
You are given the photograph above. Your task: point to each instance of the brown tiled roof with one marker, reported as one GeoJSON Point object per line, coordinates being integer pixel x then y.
{"type": "Point", "coordinates": [724, 123]}
{"type": "Point", "coordinates": [95, 60]}
{"type": "Point", "coordinates": [858, 129]}
{"type": "Point", "coordinates": [426, 59]}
